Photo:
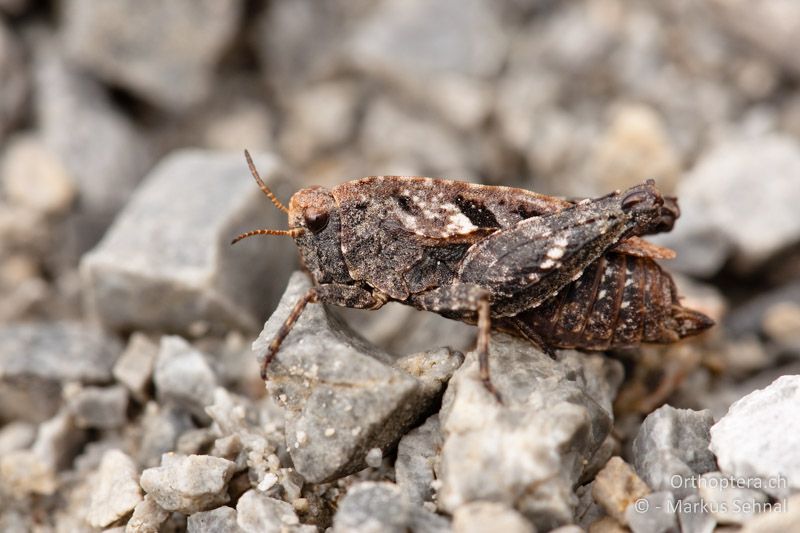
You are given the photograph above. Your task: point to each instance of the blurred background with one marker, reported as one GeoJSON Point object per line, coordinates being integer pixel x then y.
{"type": "Point", "coordinates": [122, 125]}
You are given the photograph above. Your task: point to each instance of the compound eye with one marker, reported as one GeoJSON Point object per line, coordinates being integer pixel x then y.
{"type": "Point", "coordinates": [316, 219]}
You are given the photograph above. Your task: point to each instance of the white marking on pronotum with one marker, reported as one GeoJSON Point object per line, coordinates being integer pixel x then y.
{"type": "Point", "coordinates": [624, 305]}
{"type": "Point", "coordinates": [555, 253]}
{"type": "Point", "coordinates": [601, 295]}
{"type": "Point", "coordinates": [547, 264]}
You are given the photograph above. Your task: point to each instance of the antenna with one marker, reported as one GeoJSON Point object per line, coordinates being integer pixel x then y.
{"type": "Point", "coordinates": [262, 185]}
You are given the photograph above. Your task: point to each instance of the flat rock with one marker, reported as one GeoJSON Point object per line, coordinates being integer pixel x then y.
{"type": "Point", "coordinates": [258, 513]}
{"type": "Point", "coordinates": [617, 486]}
{"type": "Point", "coordinates": [37, 358]}
{"type": "Point", "coordinates": [134, 368]}
{"type": "Point", "coordinates": [530, 452]}
{"type": "Point", "coordinates": [143, 46]}
{"type": "Point", "coordinates": [188, 484]}
{"type": "Point", "coordinates": [342, 396]}
{"type": "Point", "coordinates": [371, 507]}
{"type": "Point", "coordinates": [718, 221]}
{"type": "Point", "coordinates": [219, 520]}
{"type": "Point", "coordinates": [489, 516]}
{"type": "Point", "coordinates": [671, 449]}
{"type": "Point", "coordinates": [99, 407]}
{"type": "Point", "coordinates": [757, 440]}
{"type": "Point", "coordinates": [116, 491]}
{"type": "Point", "coordinates": [183, 377]}
{"type": "Point", "coordinates": [167, 265]}
{"type": "Point", "coordinates": [417, 454]}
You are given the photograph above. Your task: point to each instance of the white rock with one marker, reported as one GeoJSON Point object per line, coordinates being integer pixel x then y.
{"type": "Point", "coordinates": [258, 513]}
{"type": "Point", "coordinates": [147, 517]}
{"type": "Point", "coordinates": [134, 368]}
{"type": "Point", "coordinates": [489, 516]}
{"type": "Point", "coordinates": [116, 490]}
{"type": "Point", "coordinates": [758, 440]}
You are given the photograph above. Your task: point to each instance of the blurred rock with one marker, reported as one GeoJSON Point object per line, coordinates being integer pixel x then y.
{"type": "Point", "coordinates": [23, 472]}
{"type": "Point", "coordinates": [14, 83]}
{"type": "Point", "coordinates": [319, 118]}
{"type": "Point", "coordinates": [219, 520]}
{"type": "Point", "coordinates": [165, 265]}
{"type": "Point", "coordinates": [607, 524]}
{"type": "Point", "coordinates": [554, 411]}
{"type": "Point", "coordinates": [98, 407]}
{"type": "Point", "coordinates": [657, 516]}
{"type": "Point", "coordinates": [405, 41]}
{"type": "Point", "coordinates": [635, 148]}
{"type": "Point", "coordinates": [16, 435]}
{"type": "Point", "coordinates": [751, 316]}
{"type": "Point", "coordinates": [59, 440]}
{"type": "Point", "coordinates": [671, 449]}
{"type": "Point", "coordinates": [782, 325]}
{"type": "Point", "coordinates": [342, 396]}
{"type": "Point", "coordinates": [757, 439]}
{"type": "Point", "coordinates": [153, 50]}
{"type": "Point", "coordinates": [34, 177]}
{"type": "Point", "coordinates": [257, 513]}
{"type": "Point", "coordinates": [160, 429]}
{"type": "Point", "coordinates": [729, 503]}
{"type": "Point", "coordinates": [489, 516]}
{"type": "Point", "coordinates": [616, 487]}
{"type": "Point", "coordinates": [694, 517]}
{"type": "Point", "coordinates": [115, 491]}
{"type": "Point", "coordinates": [37, 358]}
{"type": "Point", "coordinates": [183, 377]}
{"type": "Point", "coordinates": [371, 507]}
{"type": "Point", "coordinates": [103, 153]}
{"type": "Point", "coordinates": [718, 220]}
{"type": "Point", "coordinates": [241, 124]}
{"type": "Point", "coordinates": [188, 484]}
{"type": "Point", "coordinates": [783, 517]}
{"type": "Point", "coordinates": [417, 453]}
{"type": "Point", "coordinates": [134, 368]}
{"type": "Point", "coordinates": [147, 517]}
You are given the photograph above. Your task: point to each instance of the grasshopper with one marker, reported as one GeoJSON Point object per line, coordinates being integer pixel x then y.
{"type": "Point", "coordinates": [558, 273]}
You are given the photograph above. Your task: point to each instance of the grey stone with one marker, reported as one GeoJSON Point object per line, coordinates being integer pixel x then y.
{"type": "Point", "coordinates": [37, 358]}
{"type": "Point", "coordinates": [782, 516]}
{"type": "Point", "coordinates": [425, 521]}
{"type": "Point", "coordinates": [753, 227]}
{"type": "Point", "coordinates": [104, 154]}
{"type": "Point", "coordinates": [694, 516]}
{"type": "Point", "coordinates": [617, 486]}
{"type": "Point", "coordinates": [147, 517]}
{"type": "Point", "coordinates": [144, 46]}
{"type": "Point", "coordinates": [404, 39]}
{"type": "Point", "coordinates": [160, 428]}
{"type": "Point", "coordinates": [671, 449]}
{"type": "Point", "coordinates": [554, 411]}
{"type": "Point", "coordinates": [134, 368]}
{"type": "Point", "coordinates": [750, 317]}
{"type": "Point", "coordinates": [99, 407]}
{"type": "Point", "coordinates": [156, 273]}
{"type": "Point", "coordinates": [728, 502]}
{"type": "Point", "coordinates": [116, 491]}
{"type": "Point", "coordinates": [14, 83]}
{"type": "Point", "coordinates": [257, 513]}
{"type": "Point", "coordinates": [587, 511]}
{"type": "Point", "coordinates": [417, 453]}
{"type": "Point", "coordinates": [16, 435]}
{"type": "Point", "coordinates": [189, 484]}
{"type": "Point", "coordinates": [657, 516]}
{"type": "Point", "coordinates": [372, 507]}
{"type": "Point", "coordinates": [183, 377]}
{"type": "Point", "coordinates": [489, 516]}
{"type": "Point", "coordinates": [59, 440]}
{"type": "Point", "coordinates": [219, 520]}
{"type": "Point", "coordinates": [342, 396]}
{"type": "Point", "coordinates": [757, 439]}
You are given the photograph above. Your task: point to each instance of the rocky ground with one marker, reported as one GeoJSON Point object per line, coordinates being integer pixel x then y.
{"type": "Point", "coordinates": [129, 391]}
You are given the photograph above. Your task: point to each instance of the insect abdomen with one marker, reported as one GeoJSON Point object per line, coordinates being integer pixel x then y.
{"type": "Point", "coordinates": [620, 300]}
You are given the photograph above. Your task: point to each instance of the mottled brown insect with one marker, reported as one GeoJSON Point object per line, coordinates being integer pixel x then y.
{"type": "Point", "coordinates": [561, 274]}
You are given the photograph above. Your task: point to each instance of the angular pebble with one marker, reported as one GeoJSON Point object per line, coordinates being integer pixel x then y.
{"type": "Point", "coordinates": [183, 377]}
{"type": "Point", "coordinates": [617, 486]}
{"type": "Point", "coordinates": [489, 516]}
{"type": "Point", "coordinates": [99, 407]}
{"type": "Point", "coordinates": [694, 516]}
{"type": "Point", "coordinates": [37, 358]}
{"type": "Point", "coordinates": [147, 517]}
{"type": "Point", "coordinates": [168, 265]}
{"type": "Point", "coordinates": [729, 503]}
{"type": "Point", "coordinates": [373, 506]}
{"type": "Point", "coordinates": [135, 45]}
{"type": "Point", "coordinates": [417, 453]}
{"type": "Point", "coordinates": [188, 484]}
{"type": "Point", "coordinates": [160, 428]}
{"type": "Point", "coordinates": [654, 513]}
{"type": "Point", "coordinates": [134, 368]}
{"type": "Point", "coordinates": [258, 513]}
{"type": "Point", "coordinates": [342, 396]}
{"type": "Point", "coordinates": [116, 491]}
{"type": "Point", "coordinates": [219, 520]}
{"type": "Point", "coordinates": [758, 440]}
{"type": "Point", "coordinates": [530, 452]}
{"type": "Point", "coordinates": [671, 449]}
